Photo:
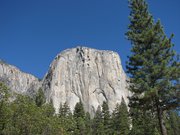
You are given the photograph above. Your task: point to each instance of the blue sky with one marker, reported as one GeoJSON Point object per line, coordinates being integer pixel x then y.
{"type": "Point", "coordinates": [33, 32]}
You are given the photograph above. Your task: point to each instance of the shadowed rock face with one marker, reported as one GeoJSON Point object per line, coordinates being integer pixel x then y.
{"type": "Point", "coordinates": [18, 81]}
{"type": "Point", "coordinates": [85, 74]}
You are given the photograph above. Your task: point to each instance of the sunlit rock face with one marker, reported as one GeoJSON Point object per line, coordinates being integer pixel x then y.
{"type": "Point", "coordinates": [79, 74]}
{"type": "Point", "coordinates": [18, 81]}
{"type": "Point", "coordinates": [87, 75]}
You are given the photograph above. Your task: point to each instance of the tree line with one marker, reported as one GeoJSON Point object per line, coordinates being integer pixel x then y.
{"type": "Point", "coordinates": [27, 115]}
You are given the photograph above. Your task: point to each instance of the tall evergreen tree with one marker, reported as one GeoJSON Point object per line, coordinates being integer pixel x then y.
{"type": "Point", "coordinates": [154, 74]}
{"type": "Point", "coordinates": [79, 110]}
{"type": "Point", "coordinates": [66, 118]}
{"type": "Point", "coordinates": [120, 119]}
{"type": "Point", "coordinates": [48, 109]}
{"type": "Point", "coordinates": [124, 118]}
{"type": "Point", "coordinates": [64, 110]}
{"type": "Point", "coordinates": [106, 118]}
{"type": "Point", "coordinates": [88, 124]}
{"type": "Point", "coordinates": [98, 127]}
{"type": "Point", "coordinates": [40, 98]}
{"type": "Point", "coordinates": [79, 116]}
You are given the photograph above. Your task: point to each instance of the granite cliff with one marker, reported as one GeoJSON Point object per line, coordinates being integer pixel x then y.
{"type": "Point", "coordinates": [18, 81]}
{"type": "Point", "coordinates": [78, 74]}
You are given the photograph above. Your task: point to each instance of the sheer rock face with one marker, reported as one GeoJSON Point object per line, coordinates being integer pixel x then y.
{"type": "Point", "coordinates": [79, 74]}
{"type": "Point", "coordinates": [18, 81]}
{"type": "Point", "coordinates": [87, 75]}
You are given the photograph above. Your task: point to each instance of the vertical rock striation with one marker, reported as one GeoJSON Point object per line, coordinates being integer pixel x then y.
{"type": "Point", "coordinates": [79, 74]}
{"type": "Point", "coordinates": [87, 75]}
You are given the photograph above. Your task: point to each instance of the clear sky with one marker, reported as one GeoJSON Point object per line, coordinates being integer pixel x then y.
{"type": "Point", "coordinates": [33, 32]}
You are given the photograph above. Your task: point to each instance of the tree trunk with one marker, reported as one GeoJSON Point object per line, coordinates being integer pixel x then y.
{"type": "Point", "coordinates": [161, 121]}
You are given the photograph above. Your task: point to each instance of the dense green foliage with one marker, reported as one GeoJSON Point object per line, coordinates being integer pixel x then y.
{"type": "Point", "coordinates": [154, 71]}
{"type": "Point", "coordinates": [40, 98]}
{"type": "Point", "coordinates": [25, 116]}
{"type": "Point", "coordinates": [120, 119]}
{"type": "Point", "coordinates": [32, 116]}
{"type": "Point", "coordinates": [173, 123]}
{"type": "Point", "coordinates": [5, 112]}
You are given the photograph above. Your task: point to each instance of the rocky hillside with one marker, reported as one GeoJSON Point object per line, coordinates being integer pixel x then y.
{"type": "Point", "coordinates": [79, 74]}
{"type": "Point", "coordinates": [18, 81]}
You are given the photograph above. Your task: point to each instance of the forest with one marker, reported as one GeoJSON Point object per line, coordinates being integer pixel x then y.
{"type": "Point", "coordinates": [32, 116]}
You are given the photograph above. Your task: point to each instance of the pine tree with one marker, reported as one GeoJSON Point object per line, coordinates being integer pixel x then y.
{"type": "Point", "coordinates": [40, 98]}
{"type": "Point", "coordinates": [64, 110]}
{"type": "Point", "coordinates": [66, 118]}
{"type": "Point", "coordinates": [106, 118]}
{"type": "Point", "coordinates": [79, 110]}
{"type": "Point", "coordinates": [88, 124]}
{"type": "Point", "coordinates": [120, 119]}
{"type": "Point", "coordinates": [48, 109]}
{"type": "Point", "coordinates": [138, 122]}
{"type": "Point", "coordinates": [154, 73]}
{"type": "Point", "coordinates": [79, 116]}
{"type": "Point", "coordinates": [115, 120]}
{"type": "Point", "coordinates": [124, 118]}
{"type": "Point", "coordinates": [98, 127]}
